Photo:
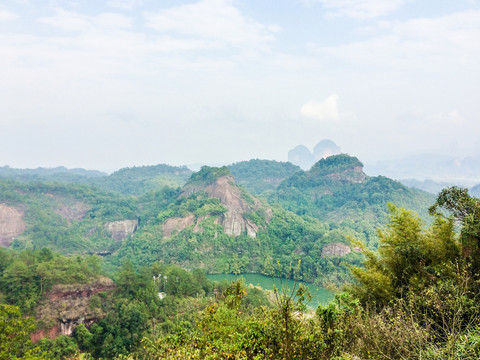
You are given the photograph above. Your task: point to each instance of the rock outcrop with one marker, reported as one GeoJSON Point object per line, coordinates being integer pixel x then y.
{"type": "Point", "coordinates": [122, 229]}
{"type": "Point", "coordinates": [177, 224]}
{"type": "Point", "coordinates": [11, 224]}
{"type": "Point", "coordinates": [72, 212]}
{"type": "Point", "coordinates": [236, 202]}
{"type": "Point", "coordinates": [336, 249]}
{"type": "Point", "coordinates": [353, 175]}
{"type": "Point", "coordinates": [67, 306]}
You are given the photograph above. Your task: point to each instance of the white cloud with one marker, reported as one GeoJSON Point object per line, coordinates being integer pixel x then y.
{"type": "Point", "coordinates": [124, 4]}
{"type": "Point", "coordinates": [323, 111]}
{"type": "Point", "coordinates": [83, 23]}
{"type": "Point", "coordinates": [211, 19]}
{"type": "Point", "coordinates": [7, 15]}
{"type": "Point", "coordinates": [450, 118]}
{"type": "Point", "coordinates": [427, 43]}
{"type": "Point", "coordinates": [360, 9]}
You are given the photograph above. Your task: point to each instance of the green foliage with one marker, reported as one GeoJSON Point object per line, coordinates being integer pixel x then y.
{"type": "Point", "coordinates": [338, 321]}
{"type": "Point", "coordinates": [208, 175]}
{"type": "Point", "coordinates": [29, 274]}
{"type": "Point", "coordinates": [457, 203]}
{"type": "Point", "coordinates": [63, 347]}
{"type": "Point", "coordinates": [409, 258]}
{"type": "Point", "coordinates": [144, 179]}
{"type": "Point", "coordinates": [198, 204]}
{"type": "Point", "coordinates": [334, 164]}
{"type": "Point", "coordinates": [15, 334]}
{"type": "Point", "coordinates": [335, 191]}
{"type": "Point", "coordinates": [285, 237]}
{"type": "Point", "coordinates": [179, 282]}
{"type": "Point", "coordinates": [226, 331]}
{"type": "Point", "coordinates": [259, 176]}
{"type": "Point", "coordinates": [66, 218]}
{"type": "Point", "coordinates": [58, 174]}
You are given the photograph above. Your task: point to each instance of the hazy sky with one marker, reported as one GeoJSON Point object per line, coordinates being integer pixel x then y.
{"type": "Point", "coordinates": [103, 85]}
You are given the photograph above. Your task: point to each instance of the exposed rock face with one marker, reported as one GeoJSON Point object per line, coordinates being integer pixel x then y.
{"type": "Point", "coordinates": [336, 249]}
{"type": "Point", "coordinates": [236, 203]}
{"type": "Point", "coordinates": [71, 212]}
{"type": "Point", "coordinates": [66, 306]}
{"type": "Point", "coordinates": [11, 224]}
{"type": "Point", "coordinates": [354, 175]}
{"type": "Point", "coordinates": [177, 224]}
{"type": "Point", "coordinates": [122, 229]}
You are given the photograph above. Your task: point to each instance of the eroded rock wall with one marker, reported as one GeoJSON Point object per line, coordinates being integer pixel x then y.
{"type": "Point", "coordinates": [121, 229]}
{"type": "Point", "coordinates": [336, 249]}
{"type": "Point", "coordinates": [66, 306]}
{"type": "Point", "coordinates": [11, 224]}
{"type": "Point", "coordinates": [236, 203]}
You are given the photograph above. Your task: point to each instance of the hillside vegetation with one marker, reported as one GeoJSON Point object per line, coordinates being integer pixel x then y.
{"type": "Point", "coordinates": [210, 222]}
{"type": "Point", "coordinates": [337, 191]}
{"type": "Point", "coordinates": [259, 176]}
{"type": "Point", "coordinates": [414, 298]}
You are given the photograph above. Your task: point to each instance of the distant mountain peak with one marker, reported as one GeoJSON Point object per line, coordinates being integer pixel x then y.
{"type": "Point", "coordinates": [343, 168]}
{"type": "Point", "coordinates": [302, 156]}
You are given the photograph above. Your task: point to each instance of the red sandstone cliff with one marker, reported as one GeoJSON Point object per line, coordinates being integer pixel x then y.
{"type": "Point", "coordinates": [66, 306]}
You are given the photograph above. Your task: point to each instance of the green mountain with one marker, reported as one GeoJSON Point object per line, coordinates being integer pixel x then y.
{"type": "Point", "coordinates": [219, 227]}
{"type": "Point", "coordinates": [65, 217]}
{"type": "Point", "coordinates": [210, 222]}
{"type": "Point", "coordinates": [139, 180]}
{"type": "Point", "coordinates": [136, 180]}
{"type": "Point", "coordinates": [259, 176]}
{"type": "Point", "coordinates": [57, 174]}
{"type": "Point", "coordinates": [337, 191]}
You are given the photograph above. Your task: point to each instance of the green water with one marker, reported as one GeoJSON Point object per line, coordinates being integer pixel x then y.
{"type": "Point", "coordinates": [320, 295]}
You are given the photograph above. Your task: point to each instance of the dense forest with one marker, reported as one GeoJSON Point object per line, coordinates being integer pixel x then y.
{"type": "Point", "coordinates": [119, 271]}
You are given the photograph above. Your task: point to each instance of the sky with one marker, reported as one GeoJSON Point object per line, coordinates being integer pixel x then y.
{"type": "Point", "coordinates": [105, 85]}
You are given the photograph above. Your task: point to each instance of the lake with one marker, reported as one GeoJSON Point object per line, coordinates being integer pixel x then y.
{"type": "Point", "coordinates": [320, 295]}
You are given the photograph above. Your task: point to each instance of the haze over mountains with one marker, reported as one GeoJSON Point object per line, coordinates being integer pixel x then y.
{"type": "Point", "coordinates": [428, 172]}
{"type": "Point", "coordinates": [302, 156]}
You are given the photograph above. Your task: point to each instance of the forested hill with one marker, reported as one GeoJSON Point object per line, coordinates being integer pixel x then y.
{"type": "Point", "coordinates": [218, 226]}
{"type": "Point", "coordinates": [212, 225]}
{"type": "Point", "coordinates": [210, 222]}
{"type": "Point", "coordinates": [258, 176]}
{"type": "Point", "coordinates": [135, 180]}
{"type": "Point", "coordinates": [58, 174]}
{"type": "Point", "coordinates": [142, 179]}
{"type": "Point", "coordinates": [68, 218]}
{"type": "Point", "coordinates": [336, 190]}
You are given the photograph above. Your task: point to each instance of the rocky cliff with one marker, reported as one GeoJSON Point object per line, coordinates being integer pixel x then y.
{"type": "Point", "coordinates": [237, 203]}
{"type": "Point", "coordinates": [121, 229]}
{"type": "Point", "coordinates": [72, 211]}
{"type": "Point", "coordinates": [66, 306]}
{"type": "Point", "coordinates": [351, 175]}
{"type": "Point", "coordinates": [11, 224]}
{"type": "Point", "coordinates": [335, 249]}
